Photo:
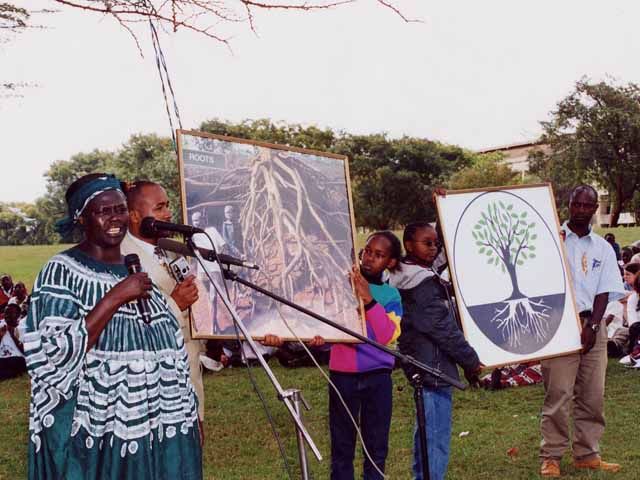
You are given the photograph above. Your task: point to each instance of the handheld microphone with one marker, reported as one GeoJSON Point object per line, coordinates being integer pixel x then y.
{"type": "Point", "coordinates": [182, 249]}
{"type": "Point", "coordinates": [132, 261]}
{"type": "Point", "coordinates": [150, 227]}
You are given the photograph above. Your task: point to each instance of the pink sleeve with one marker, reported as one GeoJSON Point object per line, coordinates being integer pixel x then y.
{"type": "Point", "coordinates": [384, 325]}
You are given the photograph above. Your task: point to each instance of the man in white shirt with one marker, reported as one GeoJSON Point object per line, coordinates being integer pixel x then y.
{"type": "Point", "coordinates": [148, 199]}
{"type": "Point", "coordinates": [579, 378]}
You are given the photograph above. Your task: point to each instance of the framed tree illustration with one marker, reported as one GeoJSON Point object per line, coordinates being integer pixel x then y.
{"type": "Point", "coordinates": [509, 272]}
{"type": "Point", "coordinates": [286, 209]}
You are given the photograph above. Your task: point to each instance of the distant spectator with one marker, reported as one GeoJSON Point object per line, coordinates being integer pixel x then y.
{"type": "Point", "coordinates": [21, 298]}
{"type": "Point", "coordinates": [6, 284]}
{"type": "Point", "coordinates": [615, 317]}
{"type": "Point", "coordinates": [625, 338]}
{"type": "Point", "coordinates": [6, 289]}
{"type": "Point", "coordinates": [611, 238]}
{"type": "Point", "coordinates": [633, 317]}
{"type": "Point", "coordinates": [12, 361]}
{"type": "Point", "coordinates": [626, 255]}
{"type": "Point", "coordinates": [630, 271]}
{"type": "Point", "coordinates": [635, 249]}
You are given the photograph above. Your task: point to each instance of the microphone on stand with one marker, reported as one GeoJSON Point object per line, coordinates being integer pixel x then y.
{"type": "Point", "coordinates": [132, 261]}
{"type": "Point", "coordinates": [150, 228]}
{"type": "Point", "coordinates": [210, 255]}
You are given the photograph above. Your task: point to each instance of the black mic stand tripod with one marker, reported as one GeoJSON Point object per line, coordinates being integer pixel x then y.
{"type": "Point", "coordinates": [417, 368]}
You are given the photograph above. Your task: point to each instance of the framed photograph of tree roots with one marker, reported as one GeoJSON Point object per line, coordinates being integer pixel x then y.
{"type": "Point", "coordinates": [289, 211]}
{"type": "Point", "coordinates": [509, 272]}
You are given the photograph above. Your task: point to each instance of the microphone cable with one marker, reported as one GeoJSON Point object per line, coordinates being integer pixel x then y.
{"type": "Point", "coordinates": [252, 379]}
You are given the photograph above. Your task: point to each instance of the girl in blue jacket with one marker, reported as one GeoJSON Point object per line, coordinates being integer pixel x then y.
{"type": "Point", "coordinates": [429, 333]}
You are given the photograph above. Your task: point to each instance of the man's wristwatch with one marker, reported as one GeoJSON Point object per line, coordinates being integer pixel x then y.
{"type": "Point", "coordinates": [595, 327]}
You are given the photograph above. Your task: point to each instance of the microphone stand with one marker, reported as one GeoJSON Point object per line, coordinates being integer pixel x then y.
{"type": "Point", "coordinates": [291, 397]}
{"type": "Point", "coordinates": [417, 368]}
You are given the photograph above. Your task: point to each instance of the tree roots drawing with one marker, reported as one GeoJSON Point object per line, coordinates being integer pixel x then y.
{"type": "Point", "coordinates": [295, 224]}
{"type": "Point", "coordinates": [521, 317]}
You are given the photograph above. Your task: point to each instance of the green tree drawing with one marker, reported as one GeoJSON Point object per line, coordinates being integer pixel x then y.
{"type": "Point", "coordinates": [507, 238]}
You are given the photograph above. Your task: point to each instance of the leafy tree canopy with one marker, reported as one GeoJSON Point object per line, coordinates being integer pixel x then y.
{"type": "Point", "coordinates": [392, 179]}
{"type": "Point", "coordinates": [487, 170]}
{"type": "Point", "coordinates": [594, 136]}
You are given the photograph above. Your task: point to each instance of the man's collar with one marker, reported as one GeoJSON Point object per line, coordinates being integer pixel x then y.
{"type": "Point", "coordinates": [569, 232]}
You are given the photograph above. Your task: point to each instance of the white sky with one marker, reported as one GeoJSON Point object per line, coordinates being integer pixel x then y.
{"type": "Point", "coordinates": [475, 73]}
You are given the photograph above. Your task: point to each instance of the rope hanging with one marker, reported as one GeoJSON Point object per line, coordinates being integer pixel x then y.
{"type": "Point", "coordinates": [165, 81]}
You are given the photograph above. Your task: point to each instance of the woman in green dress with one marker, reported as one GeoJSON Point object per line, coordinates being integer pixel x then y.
{"type": "Point", "coordinates": [110, 395]}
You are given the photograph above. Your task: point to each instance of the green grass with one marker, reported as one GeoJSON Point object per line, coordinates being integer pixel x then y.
{"type": "Point", "coordinates": [239, 444]}
{"type": "Point", "coordinates": [24, 262]}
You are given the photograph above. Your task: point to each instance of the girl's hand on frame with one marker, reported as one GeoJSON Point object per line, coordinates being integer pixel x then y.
{"type": "Point", "coordinates": [360, 284]}
{"type": "Point", "coordinates": [316, 341]}
{"type": "Point", "coordinates": [271, 340]}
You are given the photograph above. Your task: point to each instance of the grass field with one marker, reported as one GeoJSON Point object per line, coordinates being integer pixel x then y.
{"type": "Point", "coordinates": [240, 445]}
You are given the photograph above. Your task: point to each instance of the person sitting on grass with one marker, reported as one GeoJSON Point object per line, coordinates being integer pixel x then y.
{"type": "Point", "coordinates": [431, 335]}
{"type": "Point", "coordinates": [629, 272]}
{"type": "Point", "coordinates": [12, 361]}
{"type": "Point", "coordinates": [615, 317]}
{"type": "Point", "coordinates": [6, 291]}
{"type": "Point", "coordinates": [633, 318]}
{"type": "Point", "coordinates": [21, 298]}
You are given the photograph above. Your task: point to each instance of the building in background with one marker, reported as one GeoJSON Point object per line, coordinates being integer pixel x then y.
{"type": "Point", "coordinates": [516, 155]}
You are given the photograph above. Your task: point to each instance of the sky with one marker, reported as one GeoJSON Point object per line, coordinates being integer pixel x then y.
{"type": "Point", "coordinates": [473, 73]}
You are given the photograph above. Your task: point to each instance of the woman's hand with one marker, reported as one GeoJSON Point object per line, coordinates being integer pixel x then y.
{"type": "Point", "coordinates": [131, 288]}
{"type": "Point", "coordinates": [360, 284]}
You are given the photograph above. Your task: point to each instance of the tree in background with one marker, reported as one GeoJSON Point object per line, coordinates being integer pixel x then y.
{"type": "Point", "coordinates": [487, 170]}
{"type": "Point", "coordinates": [396, 177]}
{"type": "Point", "coordinates": [594, 136]}
{"type": "Point", "coordinates": [150, 157]}
{"type": "Point", "coordinates": [392, 179]}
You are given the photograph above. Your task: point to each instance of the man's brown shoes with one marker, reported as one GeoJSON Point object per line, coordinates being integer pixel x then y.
{"type": "Point", "coordinates": [550, 468]}
{"type": "Point", "coordinates": [597, 464]}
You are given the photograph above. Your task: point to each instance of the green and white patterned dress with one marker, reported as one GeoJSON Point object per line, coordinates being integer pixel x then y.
{"type": "Point", "coordinates": [125, 409]}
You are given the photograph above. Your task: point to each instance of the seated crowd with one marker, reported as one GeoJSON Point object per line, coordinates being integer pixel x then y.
{"type": "Point", "coordinates": [14, 305]}
{"type": "Point", "coordinates": [623, 316]}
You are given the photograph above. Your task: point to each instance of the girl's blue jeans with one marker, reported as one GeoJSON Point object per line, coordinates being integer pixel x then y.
{"type": "Point", "coordinates": [369, 398]}
{"type": "Point", "coordinates": [437, 409]}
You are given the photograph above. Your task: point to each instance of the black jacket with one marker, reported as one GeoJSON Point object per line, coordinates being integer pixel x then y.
{"type": "Point", "coordinates": [430, 333]}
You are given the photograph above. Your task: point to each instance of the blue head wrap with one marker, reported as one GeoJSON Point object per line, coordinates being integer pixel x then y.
{"type": "Point", "coordinates": [81, 198]}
